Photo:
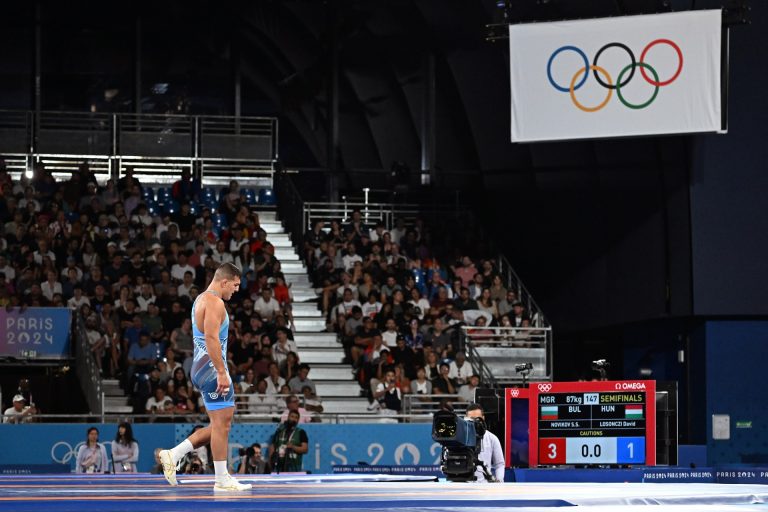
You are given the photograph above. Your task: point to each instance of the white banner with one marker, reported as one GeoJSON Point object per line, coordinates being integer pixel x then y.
{"type": "Point", "coordinates": [614, 77]}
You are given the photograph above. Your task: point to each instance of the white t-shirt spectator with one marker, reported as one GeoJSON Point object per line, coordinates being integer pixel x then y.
{"type": "Point", "coordinates": [345, 308]}
{"type": "Point", "coordinates": [10, 273]}
{"type": "Point", "coordinates": [349, 261]}
{"type": "Point", "coordinates": [38, 257]}
{"type": "Point", "coordinates": [371, 310]}
{"type": "Point", "coordinates": [267, 310]}
{"type": "Point", "coordinates": [74, 303]}
{"type": "Point", "coordinates": [49, 290]}
{"type": "Point", "coordinates": [460, 374]}
{"type": "Point", "coordinates": [177, 271]}
{"type": "Point", "coordinates": [159, 406]}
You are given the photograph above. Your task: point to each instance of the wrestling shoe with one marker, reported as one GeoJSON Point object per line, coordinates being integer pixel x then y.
{"type": "Point", "coordinates": [169, 468]}
{"type": "Point", "coordinates": [230, 484]}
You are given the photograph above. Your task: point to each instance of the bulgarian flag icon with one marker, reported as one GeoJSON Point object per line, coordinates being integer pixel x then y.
{"type": "Point", "coordinates": [549, 412]}
{"type": "Point", "coordinates": [633, 412]}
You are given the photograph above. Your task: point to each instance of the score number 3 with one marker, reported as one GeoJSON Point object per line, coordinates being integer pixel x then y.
{"type": "Point", "coordinates": [552, 451]}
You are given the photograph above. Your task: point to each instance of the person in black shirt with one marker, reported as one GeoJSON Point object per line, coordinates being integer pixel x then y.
{"type": "Point", "coordinates": [355, 347]}
{"type": "Point", "coordinates": [243, 353]}
{"type": "Point", "coordinates": [444, 385]}
{"type": "Point", "coordinates": [403, 354]}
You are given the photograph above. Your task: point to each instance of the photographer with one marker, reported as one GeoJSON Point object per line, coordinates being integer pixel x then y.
{"type": "Point", "coordinates": [252, 462]}
{"type": "Point", "coordinates": [192, 465]}
{"type": "Point", "coordinates": [490, 452]}
{"type": "Point", "coordinates": [289, 444]}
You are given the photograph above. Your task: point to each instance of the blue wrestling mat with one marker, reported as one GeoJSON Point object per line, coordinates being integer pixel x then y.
{"type": "Point", "coordinates": [151, 493]}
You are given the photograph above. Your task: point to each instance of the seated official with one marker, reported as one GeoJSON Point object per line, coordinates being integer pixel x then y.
{"type": "Point", "coordinates": [490, 452]}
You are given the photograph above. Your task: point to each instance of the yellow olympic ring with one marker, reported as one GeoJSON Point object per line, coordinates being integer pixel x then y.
{"type": "Point", "coordinates": [573, 84]}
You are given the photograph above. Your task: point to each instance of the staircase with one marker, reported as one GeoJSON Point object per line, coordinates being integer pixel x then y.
{"type": "Point", "coordinates": [115, 399]}
{"type": "Point", "coordinates": [335, 383]}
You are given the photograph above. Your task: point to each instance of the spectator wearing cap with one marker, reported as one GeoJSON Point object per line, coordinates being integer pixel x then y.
{"type": "Point", "coordinates": [519, 317]}
{"type": "Point", "coordinates": [302, 380]}
{"type": "Point", "coordinates": [505, 304]}
{"type": "Point", "coordinates": [20, 412]}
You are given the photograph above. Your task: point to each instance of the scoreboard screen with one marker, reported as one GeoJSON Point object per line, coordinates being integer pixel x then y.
{"type": "Point", "coordinates": [604, 422]}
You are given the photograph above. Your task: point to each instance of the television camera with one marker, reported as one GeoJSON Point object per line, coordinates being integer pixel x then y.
{"type": "Point", "coordinates": [462, 440]}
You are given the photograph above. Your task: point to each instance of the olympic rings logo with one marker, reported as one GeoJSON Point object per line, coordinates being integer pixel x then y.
{"type": "Point", "coordinates": [625, 75]}
{"type": "Point", "coordinates": [63, 452]}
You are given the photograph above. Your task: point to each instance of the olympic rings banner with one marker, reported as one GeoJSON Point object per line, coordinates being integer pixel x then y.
{"type": "Point", "coordinates": [616, 77]}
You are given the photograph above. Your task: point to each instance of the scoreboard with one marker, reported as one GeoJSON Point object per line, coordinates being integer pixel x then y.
{"type": "Point", "coordinates": [603, 422]}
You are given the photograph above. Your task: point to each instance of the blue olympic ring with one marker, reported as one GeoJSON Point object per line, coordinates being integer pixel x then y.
{"type": "Point", "coordinates": [549, 68]}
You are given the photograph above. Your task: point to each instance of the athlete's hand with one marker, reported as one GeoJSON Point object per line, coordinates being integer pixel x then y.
{"type": "Point", "coordinates": [222, 383]}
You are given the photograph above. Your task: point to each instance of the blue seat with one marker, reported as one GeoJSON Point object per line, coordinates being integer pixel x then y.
{"type": "Point", "coordinates": [220, 220]}
{"type": "Point", "coordinates": [208, 192]}
{"type": "Point", "coordinates": [171, 207]}
{"type": "Point", "coordinates": [73, 216]}
{"type": "Point", "coordinates": [249, 195]}
{"type": "Point", "coordinates": [148, 193]}
{"type": "Point", "coordinates": [163, 194]}
{"type": "Point", "coordinates": [267, 197]}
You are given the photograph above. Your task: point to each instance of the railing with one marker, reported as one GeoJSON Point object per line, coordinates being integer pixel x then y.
{"type": "Point", "coordinates": [87, 371]}
{"type": "Point", "coordinates": [497, 350]}
{"type": "Point", "coordinates": [513, 282]}
{"type": "Point", "coordinates": [328, 418]}
{"type": "Point", "coordinates": [209, 146]}
{"type": "Point", "coordinates": [421, 405]}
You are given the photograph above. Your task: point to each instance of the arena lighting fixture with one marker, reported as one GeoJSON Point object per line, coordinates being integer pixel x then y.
{"type": "Point", "coordinates": [601, 366]}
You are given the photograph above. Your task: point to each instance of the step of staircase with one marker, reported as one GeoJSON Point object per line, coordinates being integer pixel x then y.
{"type": "Point", "coordinates": [293, 267]}
{"type": "Point", "coordinates": [272, 228]}
{"type": "Point", "coordinates": [330, 388]}
{"type": "Point", "coordinates": [309, 324]}
{"type": "Point", "coordinates": [303, 296]}
{"type": "Point", "coordinates": [333, 372]}
{"type": "Point", "coordinates": [317, 343]}
{"type": "Point", "coordinates": [346, 405]}
{"type": "Point", "coordinates": [111, 387]}
{"type": "Point", "coordinates": [306, 309]}
{"type": "Point", "coordinates": [322, 355]}
{"type": "Point", "coordinates": [115, 401]}
{"type": "Point", "coordinates": [286, 254]}
{"type": "Point", "coordinates": [267, 216]}
{"type": "Point", "coordinates": [121, 409]}
{"type": "Point", "coordinates": [296, 279]}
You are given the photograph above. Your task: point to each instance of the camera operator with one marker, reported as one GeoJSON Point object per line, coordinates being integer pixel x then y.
{"type": "Point", "coordinates": [289, 444]}
{"type": "Point", "coordinates": [192, 465]}
{"type": "Point", "coordinates": [251, 461]}
{"type": "Point", "coordinates": [490, 452]}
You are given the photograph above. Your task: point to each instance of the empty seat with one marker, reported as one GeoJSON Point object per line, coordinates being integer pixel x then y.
{"type": "Point", "coordinates": [267, 197]}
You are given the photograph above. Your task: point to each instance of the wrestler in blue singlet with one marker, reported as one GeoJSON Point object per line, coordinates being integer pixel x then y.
{"type": "Point", "coordinates": [203, 374]}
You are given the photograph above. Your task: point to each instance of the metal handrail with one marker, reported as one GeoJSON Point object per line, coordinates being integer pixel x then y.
{"type": "Point", "coordinates": [519, 338]}
{"type": "Point", "coordinates": [87, 371]}
{"type": "Point", "coordinates": [331, 418]}
{"type": "Point", "coordinates": [513, 281]}
{"type": "Point", "coordinates": [421, 404]}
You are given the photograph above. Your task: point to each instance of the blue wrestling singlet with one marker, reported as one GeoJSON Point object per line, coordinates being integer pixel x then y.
{"type": "Point", "coordinates": [203, 374]}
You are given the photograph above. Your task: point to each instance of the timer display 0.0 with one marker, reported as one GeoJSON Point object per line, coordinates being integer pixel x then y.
{"type": "Point", "coordinates": [604, 423]}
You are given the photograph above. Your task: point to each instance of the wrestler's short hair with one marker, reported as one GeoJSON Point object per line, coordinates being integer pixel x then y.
{"type": "Point", "coordinates": [227, 271]}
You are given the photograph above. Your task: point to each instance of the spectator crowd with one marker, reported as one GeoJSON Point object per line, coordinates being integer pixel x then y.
{"type": "Point", "coordinates": [131, 269]}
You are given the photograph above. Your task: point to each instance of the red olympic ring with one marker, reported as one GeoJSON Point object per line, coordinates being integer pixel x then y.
{"type": "Point", "coordinates": [679, 67]}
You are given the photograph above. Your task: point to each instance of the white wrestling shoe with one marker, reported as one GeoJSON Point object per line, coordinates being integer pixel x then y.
{"type": "Point", "coordinates": [230, 484]}
{"type": "Point", "coordinates": [169, 468]}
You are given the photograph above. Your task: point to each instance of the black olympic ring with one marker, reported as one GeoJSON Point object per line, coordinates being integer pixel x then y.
{"type": "Point", "coordinates": [631, 73]}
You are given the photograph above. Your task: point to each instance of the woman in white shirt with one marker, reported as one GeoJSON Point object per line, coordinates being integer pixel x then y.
{"type": "Point", "coordinates": [125, 450]}
{"type": "Point", "coordinates": [92, 456]}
